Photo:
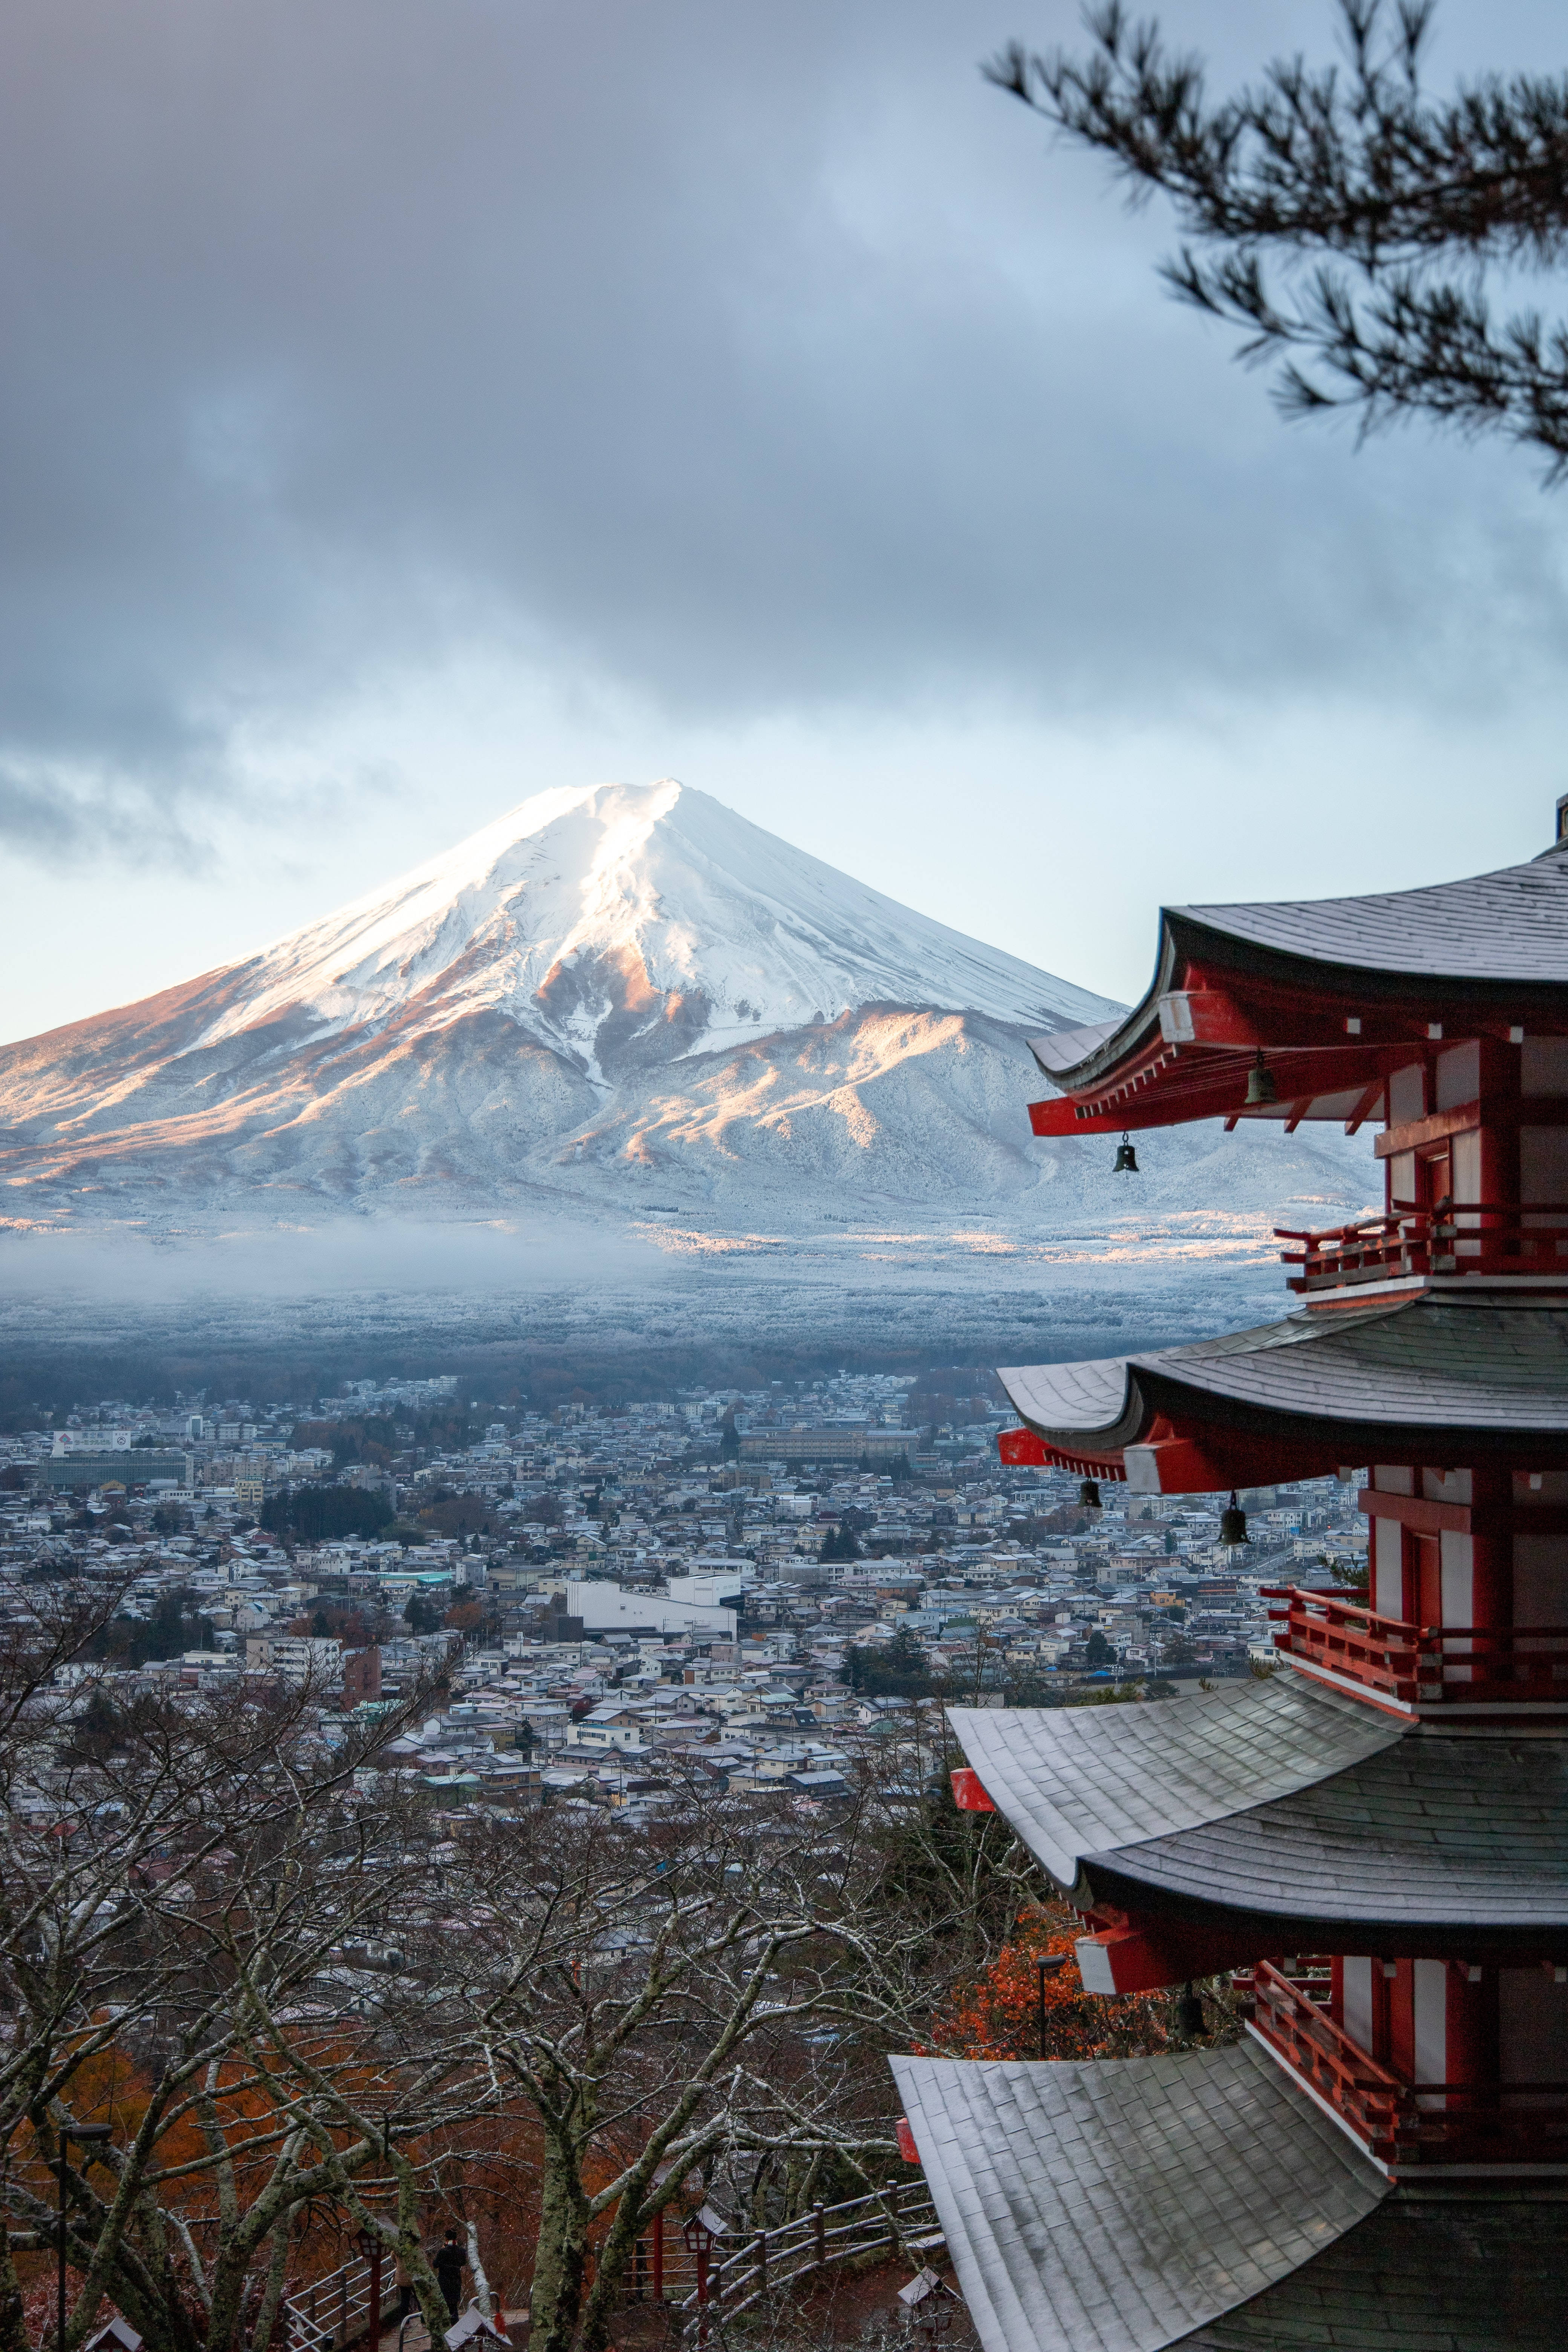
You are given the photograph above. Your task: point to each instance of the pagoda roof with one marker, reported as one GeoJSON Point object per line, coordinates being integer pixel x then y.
{"type": "Point", "coordinates": [1336, 992]}
{"type": "Point", "coordinates": [1119, 2205]}
{"type": "Point", "coordinates": [1200, 2199]}
{"type": "Point", "coordinates": [1074, 1782]}
{"type": "Point", "coordinates": [1430, 1368]}
{"type": "Point", "coordinates": [1421, 2274]}
{"type": "Point", "coordinates": [1509, 925]}
{"type": "Point", "coordinates": [1440, 1832]}
{"type": "Point", "coordinates": [1280, 1802]}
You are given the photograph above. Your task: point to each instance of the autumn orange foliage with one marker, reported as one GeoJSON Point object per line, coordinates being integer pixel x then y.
{"type": "Point", "coordinates": [996, 2014]}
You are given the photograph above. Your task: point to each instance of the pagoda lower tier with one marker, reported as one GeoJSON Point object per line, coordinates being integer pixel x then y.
{"type": "Point", "coordinates": [1395, 1898]}
{"type": "Point", "coordinates": [1200, 1833]}
{"type": "Point", "coordinates": [1206, 2200]}
{"type": "Point", "coordinates": [1382, 2159]}
{"type": "Point", "coordinates": [1459, 1404]}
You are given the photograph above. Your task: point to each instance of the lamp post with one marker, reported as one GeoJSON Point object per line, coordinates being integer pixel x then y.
{"type": "Point", "coordinates": [1047, 1964]}
{"type": "Point", "coordinates": [85, 2135]}
{"type": "Point", "coordinates": [701, 2232]}
{"type": "Point", "coordinates": [369, 2245]}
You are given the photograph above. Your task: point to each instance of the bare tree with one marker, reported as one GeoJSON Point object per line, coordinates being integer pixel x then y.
{"type": "Point", "coordinates": [292, 1993]}
{"type": "Point", "coordinates": [698, 2002]}
{"type": "Point", "coordinates": [179, 1878]}
{"type": "Point", "coordinates": [1346, 220]}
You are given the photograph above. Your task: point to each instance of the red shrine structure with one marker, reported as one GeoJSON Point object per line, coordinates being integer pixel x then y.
{"type": "Point", "coordinates": [1374, 1839]}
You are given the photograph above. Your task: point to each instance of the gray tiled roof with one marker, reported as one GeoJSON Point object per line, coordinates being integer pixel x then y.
{"type": "Point", "coordinates": [1508, 925]}
{"type": "Point", "coordinates": [1452, 2274]}
{"type": "Point", "coordinates": [1063, 1049]}
{"type": "Point", "coordinates": [1117, 2206]}
{"type": "Point", "coordinates": [1506, 928]}
{"type": "Point", "coordinates": [1079, 1780]}
{"type": "Point", "coordinates": [1450, 1831]}
{"type": "Point", "coordinates": [1431, 1361]}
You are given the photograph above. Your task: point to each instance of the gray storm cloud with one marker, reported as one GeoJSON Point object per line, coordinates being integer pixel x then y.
{"type": "Point", "coordinates": [749, 358]}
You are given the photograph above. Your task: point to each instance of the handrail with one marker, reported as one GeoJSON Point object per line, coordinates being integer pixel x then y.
{"type": "Point", "coordinates": [765, 2259]}
{"type": "Point", "coordinates": [329, 2313]}
{"type": "Point", "coordinates": [1497, 2123]}
{"type": "Point", "coordinates": [1420, 1664]}
{"type": "Point", "coordinates": [1473, 1237]}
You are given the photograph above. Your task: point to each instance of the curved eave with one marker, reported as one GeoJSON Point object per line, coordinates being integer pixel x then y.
{"type": "Point", "coordinates": [1076, 1781]}
{"type": "Point", "coordinates": [1126, 1039]}
{"type": "Point", "coordinates": [1442, 1838]}
{"type": "Point", "coordinates": [1427, 1380]}
{"type": "Point", "coordinates": [1509, 1928]}
{"type": "Point", "coordinates": [1265, 1809]}
{"type": "Point", "coordinates": [1302, 1003]}
{"type": "Point", "coordinates": [1117, 2207]}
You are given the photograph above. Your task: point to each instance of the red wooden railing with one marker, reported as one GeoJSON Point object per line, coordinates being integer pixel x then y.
{"type": "Point", "coordinates": [1422, 1665]}
{"type": "Point", "coordinates": [1482, 1237]}
{"type": "Point", "coordinates": [1407, 2123]}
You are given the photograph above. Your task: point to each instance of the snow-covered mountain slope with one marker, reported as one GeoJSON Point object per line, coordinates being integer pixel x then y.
{"type": "Point", "coordinates": [626, 924]}
{"type": "Point", "coordinates": [623, 1002]}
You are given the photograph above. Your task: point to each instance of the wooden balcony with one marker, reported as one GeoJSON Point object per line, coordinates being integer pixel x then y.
{"type": "Point", "coordinates": [1420, 1665]}
{"type": "Point", "coordinates": [1490, 1238]}
{"type": "Point", "coordinates": [1398, 2122]}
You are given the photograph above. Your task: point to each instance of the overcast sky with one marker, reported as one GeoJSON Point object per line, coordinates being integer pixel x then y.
{"type": "Point", "coordinates": [407, 406]}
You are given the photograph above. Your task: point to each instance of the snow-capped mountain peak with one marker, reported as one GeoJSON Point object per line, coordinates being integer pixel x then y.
{"type": "Point", "coordinates": [629, 1002]}
{"type": "Point", "coordinates": [647, 911]}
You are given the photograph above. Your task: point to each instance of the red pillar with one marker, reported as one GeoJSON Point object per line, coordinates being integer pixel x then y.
{"type": "Point", "coordinates": [1474, 2055]}
{"type": "Point", "coordinates": [1472, 2023]}
{"type": "Point", "coordinates": [1491, 1538]}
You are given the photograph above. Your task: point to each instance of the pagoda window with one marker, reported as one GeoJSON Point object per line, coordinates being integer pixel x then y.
{"type": "Point", "coordinates": [1429, 2021]}
{"type": "Point", "coordinates": [1458, 1076]}
{"type": "Point", "coordinates": [1359, 2017]}
{"type": "Point", "coordinates": [1407, 1095]}
{"type": "Point", "coordinates": [1540, 1582]}
{"type": "Point", "coordinates": [1533, 2026]}
{"type": "Point", "coordinates": [1423, 1580]}
{"type": "Point", "coordinates": [1435, 1173]}
{"type": "Point", "coordinates": [1543, 1066]}
{"type": "Point", "coordinates": [1388, 1540]}
{"type": "Point", "coordinates": [1466, 1179]}
{"type": "Point", "coordinates": [1458, 1593]}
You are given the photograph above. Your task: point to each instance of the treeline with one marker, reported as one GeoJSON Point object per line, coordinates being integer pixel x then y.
{"type": "Point", "coordinates": [320, 1514]}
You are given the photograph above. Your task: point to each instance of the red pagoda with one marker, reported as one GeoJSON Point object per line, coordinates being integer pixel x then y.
{"type": "Point", "coordinates": [1374, 1838]}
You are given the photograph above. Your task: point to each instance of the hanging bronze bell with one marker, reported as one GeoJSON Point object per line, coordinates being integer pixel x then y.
{"type": "Point", "coordinates": [1126, 1159]}
{"type": "Point", "coordinates": [1191, 2022]}
{"type": "Point", "coordinates": [1088, 1495]}
{"type": "Point", "coordinates": [1233, 1524]}
{"type": "Point", "coordinates": [1260, 1085]}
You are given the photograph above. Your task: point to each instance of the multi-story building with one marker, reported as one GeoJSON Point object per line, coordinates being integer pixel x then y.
{"type": "Point", "coordinates": [1375, 1836]}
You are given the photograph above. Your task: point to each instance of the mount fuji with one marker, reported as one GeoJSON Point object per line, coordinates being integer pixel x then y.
{"type": "Point", "coordinates": [625, 1017]}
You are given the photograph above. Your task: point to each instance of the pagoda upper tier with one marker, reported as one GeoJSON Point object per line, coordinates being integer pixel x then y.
{"type": "Point", "coordinates": [1338, 996]}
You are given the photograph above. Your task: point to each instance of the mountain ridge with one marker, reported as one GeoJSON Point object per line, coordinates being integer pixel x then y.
{"type": "Point", "coordinates": [622, 1000]}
